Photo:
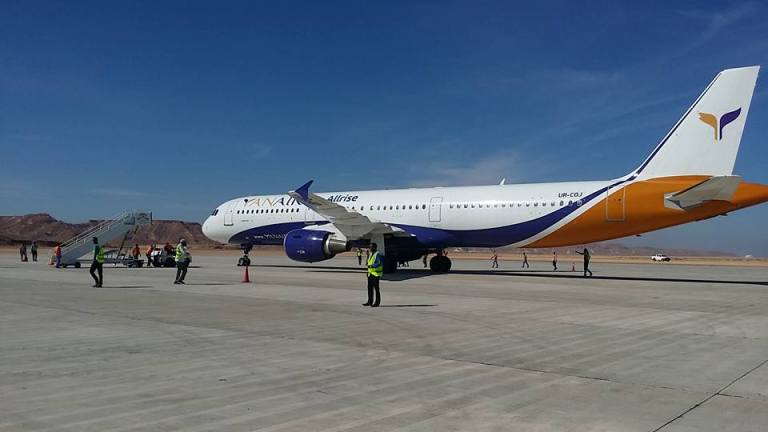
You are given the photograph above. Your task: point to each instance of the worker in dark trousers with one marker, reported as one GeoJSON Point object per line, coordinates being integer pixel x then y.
{"type": "Point", "coordinates": [23, 252]}
{"type": "Point", "coordinates": [554, 260]}
{"type": "Point", "coordinates": [375, 270]}
{"type": "Point", "coordinates": [525, 261]}
{"type": "Point", "coordinates": [97, 265]}
{"type": "Point", "coordinates": [495, 260]}
{"type": "Point", "coordinates": [183, 258]}
{"type": "Point", "coordinates": [587, 257]}
{"type": "Point", "coordinates": [33, 248]}
{"type": "Point", "coordinates": [359, 256]}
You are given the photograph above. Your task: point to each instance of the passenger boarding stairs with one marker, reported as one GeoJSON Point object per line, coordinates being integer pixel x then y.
{"type": "Point", "coordinates": [122, 225]}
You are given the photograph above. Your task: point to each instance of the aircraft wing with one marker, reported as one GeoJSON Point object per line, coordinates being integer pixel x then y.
{"type": "Point", "coordinates": [716, 188]}
{"type": "Point", "coordinates": [352, 224]}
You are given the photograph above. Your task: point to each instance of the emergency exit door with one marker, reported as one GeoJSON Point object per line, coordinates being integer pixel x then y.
{"type": "Point", "coordinates": [435, 205]}
{"type": "Point", "coordinates": [229, 217]}
{"type": "Point", "coordinates": [615, 203]}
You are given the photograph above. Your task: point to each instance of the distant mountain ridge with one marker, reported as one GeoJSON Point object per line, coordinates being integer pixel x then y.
{"type": "Point", "coordinates": [48, 230]}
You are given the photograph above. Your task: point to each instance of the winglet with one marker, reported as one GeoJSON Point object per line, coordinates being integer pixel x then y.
{"type": "Point", "coordinates": [303, 190]}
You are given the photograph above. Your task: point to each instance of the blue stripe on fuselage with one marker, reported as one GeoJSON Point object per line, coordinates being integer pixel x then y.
{"type": "Point", "coordinates": [435, 237]}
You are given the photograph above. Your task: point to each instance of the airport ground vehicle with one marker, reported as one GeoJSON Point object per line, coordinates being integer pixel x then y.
{"type": "Point", "coordinates": [162, 258]}
{"type": "Point", "coordinates": [660, 258]}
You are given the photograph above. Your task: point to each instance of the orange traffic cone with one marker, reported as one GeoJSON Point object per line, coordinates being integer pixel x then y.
{"type": "Point", "coordinates": [246, 276]}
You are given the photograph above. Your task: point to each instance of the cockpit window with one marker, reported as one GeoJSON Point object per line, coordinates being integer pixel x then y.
{"type": "Point", "coordinates": [215, 212]}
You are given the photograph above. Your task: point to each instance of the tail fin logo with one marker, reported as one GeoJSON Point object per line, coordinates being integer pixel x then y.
{"type": "Point", "coordinates": [716, 125]}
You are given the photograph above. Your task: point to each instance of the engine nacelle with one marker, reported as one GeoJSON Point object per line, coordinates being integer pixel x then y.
{"type": "Point", "coordinates": [312, 246]}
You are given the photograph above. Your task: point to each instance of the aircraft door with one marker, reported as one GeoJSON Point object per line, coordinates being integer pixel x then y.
{"type": "Point", "coordinates": [435, 206]}
{"type": "Point", "coordinates": [229, 214]}
{"type": "Point", "coordinates": [615, 202]}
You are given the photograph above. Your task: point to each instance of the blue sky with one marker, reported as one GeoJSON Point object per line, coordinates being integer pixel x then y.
{"type": "Point", "coordinates": [178, 106]}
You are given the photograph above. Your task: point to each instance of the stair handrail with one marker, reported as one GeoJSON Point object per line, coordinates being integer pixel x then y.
{"type": "Point", "coordinates": [85, 235]}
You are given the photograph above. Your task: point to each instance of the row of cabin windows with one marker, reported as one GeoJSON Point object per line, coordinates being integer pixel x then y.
{"type": "Point", "coordinates": [257, 211]}
{"type": "Point", "coordinates": [424, 206]}
{"type": "Point", "coordinates": [511, 205]}
{"type": "Point", "coordinates": [379, 207]}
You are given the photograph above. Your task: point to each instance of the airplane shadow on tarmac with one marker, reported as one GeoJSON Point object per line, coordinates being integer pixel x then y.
{"type": "Point", "coordinates": [405, 274]}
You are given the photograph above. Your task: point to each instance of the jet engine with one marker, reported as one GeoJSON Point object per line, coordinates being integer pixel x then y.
{"type": "Point", "coordinates": [312, 246]}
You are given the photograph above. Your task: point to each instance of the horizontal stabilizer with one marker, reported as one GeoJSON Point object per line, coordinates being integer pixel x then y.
{"type": "Point", "coordinates": [717, 188]}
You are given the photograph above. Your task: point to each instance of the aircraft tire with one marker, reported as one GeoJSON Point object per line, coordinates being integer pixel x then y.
{"type": "Point", "coordinates": [440, 264]}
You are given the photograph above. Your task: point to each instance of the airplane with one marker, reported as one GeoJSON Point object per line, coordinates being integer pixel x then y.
{"type": "Point", "coordinates": [687, 177]}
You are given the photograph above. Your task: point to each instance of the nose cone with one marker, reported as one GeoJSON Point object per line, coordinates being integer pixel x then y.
{"type": "Point", "coordinates": [207, 229]}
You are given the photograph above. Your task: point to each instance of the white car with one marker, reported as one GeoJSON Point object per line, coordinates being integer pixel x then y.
{"type": "Point", "coordinates": [660, 258]}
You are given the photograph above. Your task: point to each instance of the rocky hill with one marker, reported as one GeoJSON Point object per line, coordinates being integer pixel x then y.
{"type": "Point", "coordinates": [47, 230]}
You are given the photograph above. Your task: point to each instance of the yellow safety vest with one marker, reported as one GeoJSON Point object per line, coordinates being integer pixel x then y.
{"type": "Point", "coordinates": [375, 271]}
{"type": "Point", "coordinates": [100, 254]}
{"type": "Point", "coordinates": [179, 253]}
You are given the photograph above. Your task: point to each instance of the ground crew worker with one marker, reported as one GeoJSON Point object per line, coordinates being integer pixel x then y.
{"type": "Point", "coordinates": [33, 248]}
{"type": "Point", "coordinates": [57, 255]}
{"type": "Point", "coordinates": [149, 255]}
{"type": "Point", "coordinates": [97, 265]}
{"type": "Point", "coordinates": [525, 261]}
{"type": "Point", "coordinates": [375, 270]}
{"type": "Point", "coordinates": [23, 252]}
{"type": "Point", "coordinates": [495, 260]}
{"type": "Point", "coordinates": [554, 259]}
{"type": "Point", "coordinates": [587, 257]}
{"type": "Point", "coordinates": [359, 256]}
{"type": "Point", "coordinates": [136, 252]}
{"type": "Point", "coordinates": [183, 258]}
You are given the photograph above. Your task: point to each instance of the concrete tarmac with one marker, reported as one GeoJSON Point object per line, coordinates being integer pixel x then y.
{"type": "Point", "coordinates": [636, 348]}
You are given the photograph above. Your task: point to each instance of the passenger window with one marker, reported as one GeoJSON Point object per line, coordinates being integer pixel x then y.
{"type": "Point", "coordinates": [552, 203]}
{"type": "Point", "coordinates": [562, 203]}
{"type": "Point", "coordinates": [543, 204]}
{"type": "Point", "coordinates": [472, 205]}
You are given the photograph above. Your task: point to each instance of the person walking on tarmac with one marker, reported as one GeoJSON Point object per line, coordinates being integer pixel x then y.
{"type": "Point", "coordinates": [554, 259]}
{"type": "Point", "coordinates": [23, 252]}
{"type": "Point", "coordinates": [525, 261]}
{"type": "Point", "coordinates": [57, 255]}
{"type": "Point", "coordinates": [97, 265]}
{"type": "Point", "coordinates": [495, 260]}
{"type": "Point", "coordinates": [150, 249]}
{"type": "Point", "coordinates": [375, 270]}
{"type": "Point", "coordinates": [33, 249]}
{"type": "Point", "coordinates": [135, 252]}
{"type": "Point", "coordinates": [183, 258]}
{"type": "Point", "coordinates": [587, 257]}
{"type": "Point", "coordinates": [359, 256]}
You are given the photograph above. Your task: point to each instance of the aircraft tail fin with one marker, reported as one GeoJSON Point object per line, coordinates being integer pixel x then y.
{"type": "Point", "coordinates": [706, 139]}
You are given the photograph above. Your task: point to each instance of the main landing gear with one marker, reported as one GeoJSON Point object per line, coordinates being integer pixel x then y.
{"type": "Point", "coordinates": [440, 263]}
